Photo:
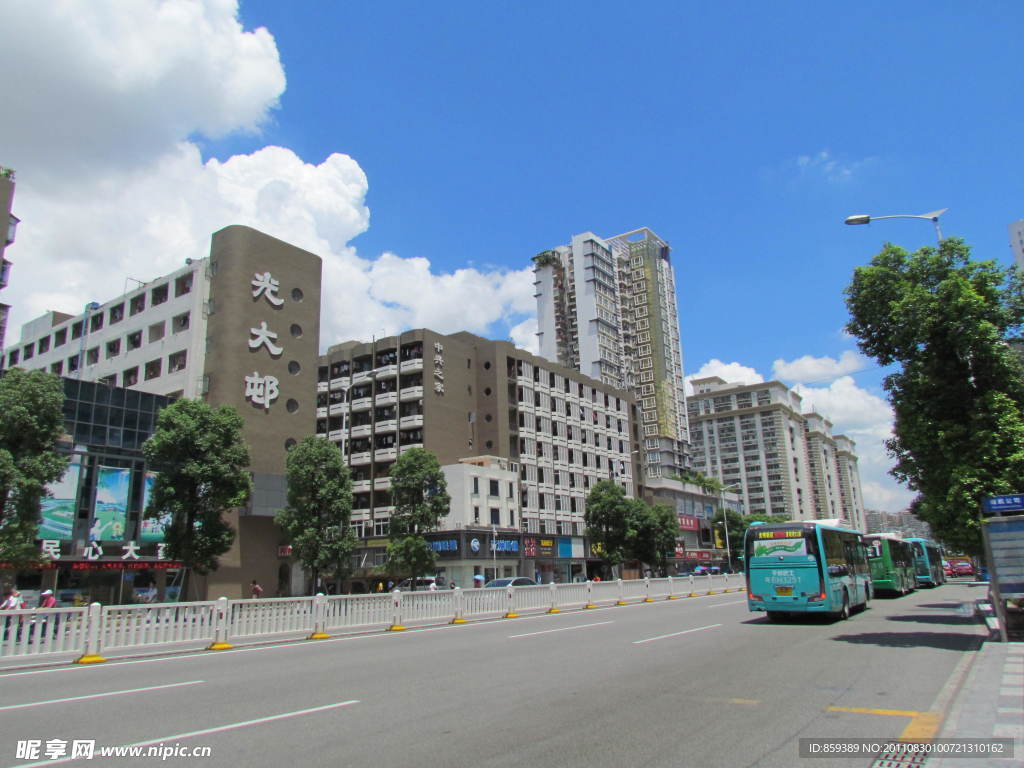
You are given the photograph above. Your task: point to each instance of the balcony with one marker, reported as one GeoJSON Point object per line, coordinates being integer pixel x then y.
{"type": "Point", "coordinates": [381, 511]}
{"type": "Point", "coordinates": [386, 398]}
{"type": "Point", "coordinates": [411, 393]}
{"type": "Point", "coordinates": [338, 434]}
{"type": "Point", "coordinates": [361, 486]}
{"type": "Point", "coordinates": [362, 404]}
{"type": "Point", "coordinates": [363, 430]}
{"type": "Point", "coordinates": [341, 382]}
{"type": "Point", "coordinates": [336, 409]}
{"type": "Point", "coordinates": [358, 459]}
{"type": "Point", "coordinates": [411, 366]}
{"type": "Point", "coordinates": [361, 377]}
{"type": "Point", "coordinates": [409, 446]}
{"type": "Point", "coordinates": [382, 483]}
{"type": "Point", "coordinates": [385, 454]}
{"type": "Point", "coordinates": [321, 413]}
{"type": "Point", "coordinates": [386, 370]}
{"type": "Point", "coordinates": [321, 386]}
{"type": "Point", "coordinates": [407, 422]}
{"type": "Point", "coordinates": [387, 426]}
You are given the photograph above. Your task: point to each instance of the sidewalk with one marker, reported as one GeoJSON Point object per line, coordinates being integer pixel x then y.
{"type": "Point", "coordinates": [990, 705]}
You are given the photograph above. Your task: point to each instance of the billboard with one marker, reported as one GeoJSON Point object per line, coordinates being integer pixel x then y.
{"type": "Point", "coordinates": [57, 518]}
{"type": "Point", "coordinates": [110, 514]}
{"type": "Point", "coordinates": [152, 529]}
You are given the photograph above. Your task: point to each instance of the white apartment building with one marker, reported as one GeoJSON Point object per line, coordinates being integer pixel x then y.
{"type": "Point", "coordinates": [607, 308]}
{"type": "Point", "coordinates": [752, 436]}
{"type": "Point", "coordinates": [850, 496]}
{"type": "Point", "coordinates": [151, 338]}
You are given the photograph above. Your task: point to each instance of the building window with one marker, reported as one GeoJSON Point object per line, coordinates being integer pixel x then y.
{"type": "Point", "coordinates": [156, 332]}
{"type": "Point", "coordinates": [76, 329]}
{"type": "Point", "coordinates": [137, 304]}
{"type": "Point", "coordinates": [92, 356]}
{"type": "Point", "coordinates": [476, 486]}
{"type": "Point", "coordinates": [44, 345]}
{"type": "Point", "coordinates": [113, 348]}
{"type": "Point", "coordinates": [117, 313]}
{"type": "Point", "coordinates": [57, 368]}
{"type": "Point", "coordinates": [495, 516]}
{"type": "Point", "coordinates": [153, 369]}
{"type": "Point", "coordinates": [134, 340]}
{"type": "Point", "coordinates": [183, 285]}
{"type": "Point", "coordinates": [176, 362]}
{"type": "Point", "coordinates": [476, 514]}
{"type": "Point", "coordinates": [180, 323]}
{"type": "Point", "coordinates": [60, 337]}
{"type": "Point", "coordinates": [96, 322]}
{"type": "Point", "coordinates": [72, 363]}
{"type": "Point", "coordinates": [130, 377]}
{"type": "Point", "coordinates": [158, 295]}
{"type": "Point", "coordinates": [12, 359]}
{"type": "Point", "coordinates": [494, 488]}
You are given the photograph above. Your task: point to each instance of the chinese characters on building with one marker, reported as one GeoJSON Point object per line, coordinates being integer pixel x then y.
{"type": "Point", "coordinates": [439, 368]}
{"type": "Point", "coordinates": [264, 390]}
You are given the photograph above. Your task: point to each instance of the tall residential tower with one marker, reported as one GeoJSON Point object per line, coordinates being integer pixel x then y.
{"type": "Point", "coordinates": [607, 307]}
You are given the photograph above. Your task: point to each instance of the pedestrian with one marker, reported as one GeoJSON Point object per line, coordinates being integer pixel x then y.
{"type": "Point", "coordinates": [12, 602]}
{"type": "Point", "coordinates": [478, 580]}
{"type": "Point", "coordinates": [380, 586]}
{"type": "Point", "coordinates": [451, 584]}
{"type": "Point", "coordinates": [256, 590]}
{"type": "Point", "coordinates": [47, 600]}
{"type": "Point", "coordinates": [433, 586]}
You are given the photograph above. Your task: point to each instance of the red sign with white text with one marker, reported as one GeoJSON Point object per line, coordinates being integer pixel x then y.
{"type": "Point", "coordinates": [687, 523]}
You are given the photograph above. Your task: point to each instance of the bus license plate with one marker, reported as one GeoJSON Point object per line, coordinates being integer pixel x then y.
{"type": "Point", "coordinates": [783, 590]}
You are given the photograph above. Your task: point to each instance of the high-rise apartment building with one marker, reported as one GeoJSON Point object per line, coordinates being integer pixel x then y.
{"type": "Point", "coordinates": [1017, 243]}
{"type": "Point", "coordinates": [607, 307]}
{"type": "Point", "coordinates": [9, 222]}
{"type": "Point", "coordinates": [756, 437]}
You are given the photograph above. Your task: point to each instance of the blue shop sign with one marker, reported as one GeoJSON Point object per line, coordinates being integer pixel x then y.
{"type": "Point", "coordinates": [505, 545]}
{"type": "Point", "coordinates": [445, 545]}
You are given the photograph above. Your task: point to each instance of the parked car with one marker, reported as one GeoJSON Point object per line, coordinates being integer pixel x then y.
{"type": "Point", "coordinates": [515, 581]}
{"type": "Point", "coordinates": [963, 569]}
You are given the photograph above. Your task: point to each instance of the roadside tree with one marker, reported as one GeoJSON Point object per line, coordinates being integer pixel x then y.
{"type": "Point", "coordinates": [949, 324]}
{"type": "Point", "coordinates": [31, 424]}
{"type": "Point", "coordinates": [420, 497]}
{"type": "Point", "coordinates": [202, 467]}
{"type": "Point", "coordinates": [316, 520]}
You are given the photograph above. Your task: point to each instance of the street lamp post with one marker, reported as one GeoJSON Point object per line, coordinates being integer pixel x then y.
{"type": "Point", "coordinates": [863, 218]}
{"type": "Point", "coordinates": [725, 521]}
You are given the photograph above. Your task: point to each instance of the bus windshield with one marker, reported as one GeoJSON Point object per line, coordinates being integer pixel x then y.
{"type": "Point", "coordinates": [783, 544]}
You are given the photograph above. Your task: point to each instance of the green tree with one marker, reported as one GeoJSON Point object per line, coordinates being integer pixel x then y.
{"type": "Point", "coordinates": [420, 497]}
{"type": "Point", "coordinates": [946, 322]}
{"type": "Point", "coordinates": [316, 520]}
{"type": "Point", "coordinates": [31, 423]}
{"type": "Point", "coordinates": [202, 465]}
{"type": "Point", "coordinates": [737, 526]}
{"type": "Point", "coordinates": [609, 520]}
{"type": "Point", "coordinates": [653, 531]}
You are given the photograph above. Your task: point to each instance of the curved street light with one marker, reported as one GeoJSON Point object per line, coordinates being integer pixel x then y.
{"type": "Point", "coordinates": [863, 218]}
{"type": "Point", "coordinates": [725, 520]}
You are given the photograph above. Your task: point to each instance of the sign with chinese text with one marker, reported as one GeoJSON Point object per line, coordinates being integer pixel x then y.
{"type": "Point", "coordinates": [110, 513]}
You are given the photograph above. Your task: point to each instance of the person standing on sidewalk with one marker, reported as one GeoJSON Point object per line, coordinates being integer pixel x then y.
{"type": "Point", "coordinates": [255, 589]}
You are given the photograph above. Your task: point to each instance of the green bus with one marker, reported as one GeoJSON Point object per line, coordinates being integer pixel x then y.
{"type": "Point", "coordinates": [927, 562]}
{"type": "Point", "coordinates": [891, 560]}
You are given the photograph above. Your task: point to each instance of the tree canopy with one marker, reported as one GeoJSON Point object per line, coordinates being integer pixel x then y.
{"type": "Point", "coordinates": [31, 424]}
{"type": "Point", "coordinates": [629, 529]}
{"type": "Point", "coordinates": [420, 497]}
{"type": "Point", "coordinates": [202, 468]}
{"type": "Point", "coordinates": [316, 520]}
{"type": "Point", "coordinates": [947, 322]}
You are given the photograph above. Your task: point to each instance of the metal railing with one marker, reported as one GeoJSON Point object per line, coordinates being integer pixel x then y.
{"type": "Point", "coordinates": [91, 631]}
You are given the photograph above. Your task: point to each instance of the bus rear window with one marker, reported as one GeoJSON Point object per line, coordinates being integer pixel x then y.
{"type": "Point", "coordinates": [782, 544]}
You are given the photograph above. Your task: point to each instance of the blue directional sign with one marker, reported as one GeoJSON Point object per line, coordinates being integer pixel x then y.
{"type": "Point", "coordinates": [1003, 505]}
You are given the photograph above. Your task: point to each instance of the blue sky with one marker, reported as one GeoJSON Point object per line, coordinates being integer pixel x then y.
{"type": "Point", "coordinates": [421, 139]}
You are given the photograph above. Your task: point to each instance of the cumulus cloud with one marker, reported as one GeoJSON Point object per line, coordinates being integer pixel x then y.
{"type": "Point", "coordinates": [111, 182]}
{"type": "Point", "coordinates": [733, 373]}
{"type": "Point", "coordinates": [524, 335]}
{"type": "Point", "coordinates": [814, 369]}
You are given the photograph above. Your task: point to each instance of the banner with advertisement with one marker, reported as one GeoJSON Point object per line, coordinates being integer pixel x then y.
{"type": "Point", "coordinates": [151, 529]}
{"type": "Point", "coordinates": [57, 518]}
{"type": "Point", "coordinates": [687, 523]}
{"type": "Point", "coordinates": [110, 514]}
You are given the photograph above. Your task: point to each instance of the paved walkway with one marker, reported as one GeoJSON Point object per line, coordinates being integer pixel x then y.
{"type": "Point", "coordinates": [990, 705]}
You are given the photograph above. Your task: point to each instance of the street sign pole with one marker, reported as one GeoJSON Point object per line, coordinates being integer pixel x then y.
{"type": "Point", "coordinates": [1004, 551]}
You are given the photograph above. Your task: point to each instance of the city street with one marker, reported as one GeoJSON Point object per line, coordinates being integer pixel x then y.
{"type": "Point", "coordinates": [696, 681]}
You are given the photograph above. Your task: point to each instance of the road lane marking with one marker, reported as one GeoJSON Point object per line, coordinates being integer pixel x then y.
{"type": "Point", "coordinates": [869, 711]}
{"type": "Point", "coordinates": [719, 605]}
{"type": "Point", "coordinates": [207, 731]}
{"type": "Point", "coordinates": [748, 702]}
{"type": "Point", "coordinates": [675, 634]}
{"type": "Point", "coordinates": [99, 695]}
{"type": "Point", "coordinates": [561, 629]}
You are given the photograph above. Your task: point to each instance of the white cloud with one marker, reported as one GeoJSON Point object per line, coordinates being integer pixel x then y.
{"type": "Point", "coordinates": [111, 185]}
{"type": "Point", "coordinates": [814, 369]}
{"type": "Point", "coordinates": [824, 165]}
{"type": "Point", "coordinates": [733, 373]}
{"type": "Point", "coordinates": [524, 335]}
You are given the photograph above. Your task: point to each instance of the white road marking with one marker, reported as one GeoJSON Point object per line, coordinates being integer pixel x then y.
{"type": "Point", "coordinates": [207, 731]}
{"type": "Point", "coordinates": [675, 634]}
{"type": "Point", "coordinates": [718, 605]}
{"type": "Point", "coordinates": [562, 629]}
{"type": "Point", "coordinates": [99, 695]}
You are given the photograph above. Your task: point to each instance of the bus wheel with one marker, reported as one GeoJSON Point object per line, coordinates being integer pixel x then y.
{"type": "Point", "coordinates": [774, 616]}
{"type": "Point", "coordinates": [844, 612]}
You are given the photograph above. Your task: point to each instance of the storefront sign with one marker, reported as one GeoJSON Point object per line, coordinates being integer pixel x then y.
{"type": "Point", "coordinates": [687, 523]}
{"type": "Point", "coordinates": [284, 551]}
{"type": "Point", "coordinates": [529, 546]}
{"type": "Point", "coordinates": [698, 554]}
{"type": "Point", "coordinates": [445, 545]}
{"type": "Point", "coordinates": [596, 549]}
{"type": "Point", "coordinates": [545, 547]}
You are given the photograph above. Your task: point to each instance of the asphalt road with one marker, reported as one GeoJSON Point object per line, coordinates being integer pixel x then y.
{"type": "Point", "coordinates": [690, 682]}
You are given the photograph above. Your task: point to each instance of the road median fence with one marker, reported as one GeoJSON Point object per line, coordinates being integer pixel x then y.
{"type": "Point", "coordinates": [90, 631]}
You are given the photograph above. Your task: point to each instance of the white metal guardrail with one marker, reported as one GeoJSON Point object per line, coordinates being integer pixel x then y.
{"type": "Point", "coordinates": [91, 631]}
